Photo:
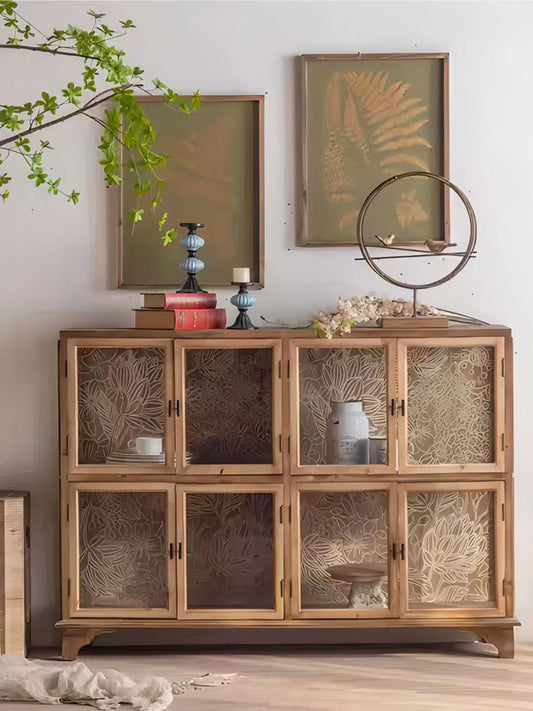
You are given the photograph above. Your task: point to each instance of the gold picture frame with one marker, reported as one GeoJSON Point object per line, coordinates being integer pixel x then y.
{"type": "Point", "coordinates": [214, 175]}
{"type": "Point", "coordinates": [365, 118]}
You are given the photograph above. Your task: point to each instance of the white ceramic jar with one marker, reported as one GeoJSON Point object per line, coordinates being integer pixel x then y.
{"type": "Point", "coordinates": [347, 433]}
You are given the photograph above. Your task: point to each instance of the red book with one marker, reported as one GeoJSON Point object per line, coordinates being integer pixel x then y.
{"type": "Point", "coordinates": [180, 301]}
{"type": "Point", "coordinates": [180, 319]}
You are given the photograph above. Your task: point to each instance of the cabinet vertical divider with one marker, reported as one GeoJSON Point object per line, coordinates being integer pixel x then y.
{"type": "Point", "coordinates": [181, 558]}
{"type": "Point", "coordinates": [392, 561]}
{"type": "Point", "coordinates": [179, 395]}
{"type": "Point", "coordinates": [286, 425]}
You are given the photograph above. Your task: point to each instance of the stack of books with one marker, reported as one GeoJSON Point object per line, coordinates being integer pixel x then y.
{"type": "Point", "coordinates": [180, 312]}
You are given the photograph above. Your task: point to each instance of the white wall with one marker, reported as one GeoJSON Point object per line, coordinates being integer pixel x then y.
{"type": "Point", "coordinates": [56, 262]}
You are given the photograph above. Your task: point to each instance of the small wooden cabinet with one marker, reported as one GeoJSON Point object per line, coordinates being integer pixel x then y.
{"type": "Point", "coordinates": [14, 572]}
{"type": "Point", "coordinates": [245, 518]}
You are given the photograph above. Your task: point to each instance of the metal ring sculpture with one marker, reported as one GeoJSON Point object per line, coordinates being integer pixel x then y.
{"type": "Point", "coordinates": [364, 249]}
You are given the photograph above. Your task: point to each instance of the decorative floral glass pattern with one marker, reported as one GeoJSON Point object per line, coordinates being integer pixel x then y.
{"type": "Point", "coordinates": [339, 374]}
{"type": "Point", "coordinates": [451, 405]}
{"type": "Point", "coordinates": [339, 528]}
{"type": "Point", "coordinates": [451, 548]}
{"type": "Point", "coordinates": [230, 556]}
{"type": "Point", "coordinates": [120, 397]}
{"type": "Point", "coordinates": [123, 549]}
{"type": "Point", "coordinates": [229, 405]}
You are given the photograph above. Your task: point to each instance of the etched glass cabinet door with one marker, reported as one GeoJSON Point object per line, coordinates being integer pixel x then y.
{"type": "Point", "coordinates": [452, 550]}
{"type": "Point", "coordinates": [342, 543]}
{"type": "Point", "coordinates": [120, 406]}
{"type": "Point", "coordinates": [230, 541]}
{"type": "Point", "coordinates": [451, 406]}
{"type": "Point", "coordinates": [342, 406]}
{"type": "Point", "coordinates": [122, 553]}
{"type": "Point", "coordinates": [229, 402]}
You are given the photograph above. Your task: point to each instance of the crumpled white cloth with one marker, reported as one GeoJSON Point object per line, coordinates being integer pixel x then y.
{"type": "Point", "coordinates": [51, 683]}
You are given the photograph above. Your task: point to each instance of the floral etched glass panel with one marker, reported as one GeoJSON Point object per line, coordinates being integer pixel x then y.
{"type": "Point", "coordinates": [228, 405]}
{"type": "Point", "coordinates": [451, 405]}
{"type": "Point", "coordinates": [451, 549]}
{"type": "Point", "coordinates": [343, 544]}
{"type": "Point", "coordinates": [230, 555]}
{"type": "Point", "coordinates": [123, 549]}
{"type": "Point", "coordinates": [330, 378]}
{"type": "Point", "coordinates": [121, 396]}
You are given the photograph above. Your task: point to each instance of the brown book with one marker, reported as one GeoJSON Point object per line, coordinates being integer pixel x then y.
{"type": "Point", "coordinates": [178, 300]}
{"type": "Point", "coordinates": [180, 319]}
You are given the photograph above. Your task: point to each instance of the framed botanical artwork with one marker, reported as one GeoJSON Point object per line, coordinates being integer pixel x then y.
{"type": "Point", "coordinates": [214, 175]}
{"type": "Point", "coordinates": [365, 118]}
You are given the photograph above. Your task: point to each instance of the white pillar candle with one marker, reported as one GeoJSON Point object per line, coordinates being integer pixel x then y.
{"type": "Point", "coordinates": [241, 275]}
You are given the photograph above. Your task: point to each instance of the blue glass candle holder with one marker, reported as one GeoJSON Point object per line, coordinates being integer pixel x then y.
{"type": "Point", "coordinates": [192, 265]}
{"type": "Point", "coordinates": [242, 300]}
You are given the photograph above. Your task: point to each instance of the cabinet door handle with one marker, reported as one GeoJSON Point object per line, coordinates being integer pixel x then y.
{"type": "Point", "coordinates": [392, 407]}
{"type": "Point", "coordinates": [179, 550]}
{"type": "Point", "coordinates": [171, 551]}
{"type": "Point", "coordinates": [170, 408]}
{"type": "Point", "coordinates": [394, 551]}
{"type": "Point", "coordinates": [402, 551]}
{"type": "Point", "coordinates": [402, 408]}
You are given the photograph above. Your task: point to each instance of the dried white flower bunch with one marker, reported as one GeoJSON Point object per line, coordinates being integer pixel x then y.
{"type": "Point", "coordinates": [360, 309]}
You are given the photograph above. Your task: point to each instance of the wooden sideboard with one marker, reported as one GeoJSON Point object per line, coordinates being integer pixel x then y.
{"type": "Point", "coordinates": [246, 519]}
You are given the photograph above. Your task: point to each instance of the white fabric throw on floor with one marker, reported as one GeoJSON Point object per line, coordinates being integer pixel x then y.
{"type": "Point", "coordinates": [74, 683]}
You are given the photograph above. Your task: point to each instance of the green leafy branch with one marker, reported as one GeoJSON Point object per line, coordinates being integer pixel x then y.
{"type": "Point", "coordinates": [128, 138]}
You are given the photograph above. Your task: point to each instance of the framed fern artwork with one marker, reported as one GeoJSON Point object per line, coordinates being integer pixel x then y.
{"type": "Point", "coordinates": [214, 175]}
{"type": "Point", "coordinates": [365, 118]}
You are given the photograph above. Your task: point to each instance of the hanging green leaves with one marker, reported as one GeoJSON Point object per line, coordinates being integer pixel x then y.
{"type": "Point", "coordinates": [128, 138]}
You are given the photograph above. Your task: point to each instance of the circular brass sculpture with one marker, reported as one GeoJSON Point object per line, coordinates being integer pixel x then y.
{"type": "Point", "coordinates": [465, 256]}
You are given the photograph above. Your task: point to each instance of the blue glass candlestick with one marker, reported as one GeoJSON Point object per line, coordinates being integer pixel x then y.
{"type": "Point", "coordinates": [192, 265]}
{"type": "Point", "coordinates": [242, 300]}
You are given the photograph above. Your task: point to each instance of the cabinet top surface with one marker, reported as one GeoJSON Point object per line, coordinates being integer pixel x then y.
{"type": "Point", "coordinates": [452, 331]}
{"type": "Point", "coordinates": [13, 494]}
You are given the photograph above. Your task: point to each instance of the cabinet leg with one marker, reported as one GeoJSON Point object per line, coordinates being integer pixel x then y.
{"type": "Point", "coordinates": [74, 640]}
{"type": "Point", "coordinates": [501, 637]}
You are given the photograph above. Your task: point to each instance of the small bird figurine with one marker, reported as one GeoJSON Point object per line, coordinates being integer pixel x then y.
{"type": "Point", "coordinates": [438, 247]}
{"type": "Point", "coordinates": [386, 241]}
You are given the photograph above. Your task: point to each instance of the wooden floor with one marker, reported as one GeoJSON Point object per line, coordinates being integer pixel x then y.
{"type": "Point", "coordinates": [458, 677]}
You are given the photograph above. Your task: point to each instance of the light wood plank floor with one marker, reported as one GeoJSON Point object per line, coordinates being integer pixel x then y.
{"type": "Point", "coordinates": [458, 677]}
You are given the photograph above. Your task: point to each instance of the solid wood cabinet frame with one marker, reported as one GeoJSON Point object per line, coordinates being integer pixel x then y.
{"type": "Point", "coordinates": [71, 446]}
{"type": "Point", "coordinates": [499, 379]}
{"type": "Point", "coordinates": [469, 610]}
{"type": "Point", "coordinates": [287, 480]}
{"type": "Point", "coordinates": [73, 584]}
{"type": "Point", "coordinates": [275, 467]}
{"type": "Point", "coordinates": [14, 572]}
{"type": "Point", "coordinates": [184, 611]}
{"type": "Point", "coordinates": [297, 611]}
{"type": "Point", "coordinates": [389, 347]}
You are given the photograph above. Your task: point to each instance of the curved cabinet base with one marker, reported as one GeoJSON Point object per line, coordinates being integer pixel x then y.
{"type": "Point", "coordinates": [79, 633]}
{"type": "Point", "coordinates": [74, 639]}
{"type": "Point", "coordinates": [501, 637]}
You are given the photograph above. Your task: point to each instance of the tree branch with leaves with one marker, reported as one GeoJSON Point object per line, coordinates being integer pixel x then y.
{"type": "Point", "coordinates": [128, 138]}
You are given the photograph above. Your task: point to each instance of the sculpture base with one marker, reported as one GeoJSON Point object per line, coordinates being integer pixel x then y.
{"type": "Point", "coordinates": [414, 322]}
{"type": "Point", "coordinates": [191, 286]}
{"type": "Point", "coordinates": [242, 322]}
